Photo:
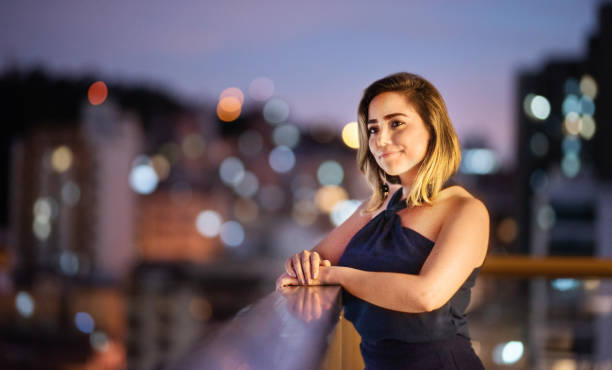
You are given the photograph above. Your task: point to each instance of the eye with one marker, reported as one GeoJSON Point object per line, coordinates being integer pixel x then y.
{"type": "Point", "coordinates": [372, 130]}
{"type": "Point", "coordinates": [396, 123]}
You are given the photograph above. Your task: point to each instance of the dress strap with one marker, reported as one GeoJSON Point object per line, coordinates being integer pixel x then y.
{"type": "Point", "coordinates": [395, 204]}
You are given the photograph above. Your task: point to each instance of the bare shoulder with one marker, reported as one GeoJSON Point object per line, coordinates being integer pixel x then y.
{"type": "Point", "coordinates": [459, 199]}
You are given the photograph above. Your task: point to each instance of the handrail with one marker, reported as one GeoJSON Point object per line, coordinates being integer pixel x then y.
{"type": "Point", "coordinates": [287, 329]}
{"type": "Point", "coordinates": [548, 266]}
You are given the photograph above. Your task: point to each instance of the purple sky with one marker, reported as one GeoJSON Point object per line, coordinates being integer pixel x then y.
{"type": "Point", "coordinates": [320, 54]}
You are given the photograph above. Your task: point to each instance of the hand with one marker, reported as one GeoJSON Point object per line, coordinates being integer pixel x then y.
{"type": "Point", "coordinates": [325, 277]}
{"type": "Point", "coordinates": [304, 266]}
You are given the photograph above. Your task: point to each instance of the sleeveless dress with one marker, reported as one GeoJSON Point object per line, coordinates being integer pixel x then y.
{"type": "Point", "coordinates": [398, 340]}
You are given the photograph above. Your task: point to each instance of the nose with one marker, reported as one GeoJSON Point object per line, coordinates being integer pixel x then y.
{"type": "Point", "coordinates": [383, 137]}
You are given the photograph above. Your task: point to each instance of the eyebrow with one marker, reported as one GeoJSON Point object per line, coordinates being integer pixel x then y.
{"type": "Point", "coordinates": [387, 117]}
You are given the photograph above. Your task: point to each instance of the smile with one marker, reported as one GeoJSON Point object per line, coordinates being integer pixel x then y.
{"type": "Point", "coordinates": [389, 154]}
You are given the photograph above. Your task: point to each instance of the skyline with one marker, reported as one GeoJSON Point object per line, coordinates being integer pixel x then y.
{"type": "Point", "coordinates": [314, 52]}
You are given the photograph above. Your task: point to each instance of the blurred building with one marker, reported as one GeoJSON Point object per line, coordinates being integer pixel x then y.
{"type": "Point", "coordinates": [565, 172]}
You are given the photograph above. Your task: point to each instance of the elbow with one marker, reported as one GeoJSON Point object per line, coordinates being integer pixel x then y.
{"type": "Point", "coordinates": [429, 301]}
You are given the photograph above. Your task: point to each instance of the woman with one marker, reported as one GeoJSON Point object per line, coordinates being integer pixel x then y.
{"type": "Point", "coordinates": [408, 257]}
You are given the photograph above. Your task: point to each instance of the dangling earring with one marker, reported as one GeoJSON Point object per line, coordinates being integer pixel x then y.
{"type": "Point", "coordinates": [384, 188]}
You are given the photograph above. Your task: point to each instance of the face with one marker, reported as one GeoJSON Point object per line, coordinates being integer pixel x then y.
{"type": "Point", "coordinates": [398, 137]}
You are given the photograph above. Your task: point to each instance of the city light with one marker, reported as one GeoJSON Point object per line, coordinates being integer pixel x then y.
{"type": "Point", "coordinates": [587, 106]}
{"type": "Point", "coordinates": [161, 165]}
{"type": "Point", "coordinates": [231, 171]}
{"type": "Point", "coordinates": [99, 341]}
{"type": "Point", "coordinates": [546, 217]}
{"type": "Point", "coordinates": [84, 322]}
{"type": "Point", "coordinates": [536, 107]}
{"type": "Point", "coordinates": [478, 162]}
{"type": "Point", "coordinates": [328, 196]}
{"type": "Point", "coordinates": [61, 159]}
{"type": "Point", "coordinates": [571, 104]}
{"type": "Point", "coordinates": [24, 303]}
{"type": "Point", "coordinates": [572, 123]}
{"type": "Point", "coordinates": [330, 173]}
{"type": "Point", "coordinates": [248, 185]}
{"type": "Point", "coordinates": [565, 284]}
{"type": "Point", "coordinates": [232, 233]}
{"type": "Point", "coordinates": [233, 92]}
{"type": "Point", "coordinates": [276, 111]}
{"type": "Point", "coordinates": [287, 135]}
{"type": "Point", "coordinates": [143, 179]}
{"type": "Point", "coordinates": [587, 130]}
{"type": "Point", "coordinates": [261, 89]}
{"type": "Point", "coordinates": [588, 86]}
{"type": "Point", "coordinates": [508, 353]}
{"type": "Point", "coordinates": [229, 109]}
{"type": "Point", "coordinates": [208, 223]}
{"type": "Point", "coordinates": [281, 159]}
{"type": "Point", "coordinates": [97, 93]}
{"type": "Point", "coordinates": [350, 135]}
{"type": "Point", "coordinates": [570, 165]}
{"type": "Point", "coordinates": [69, 263]}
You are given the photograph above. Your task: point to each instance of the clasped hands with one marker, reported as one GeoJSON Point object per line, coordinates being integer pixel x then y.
{"type": "Point", "coordinates": [306, 268]}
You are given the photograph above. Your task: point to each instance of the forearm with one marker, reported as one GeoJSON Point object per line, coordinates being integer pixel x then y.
{"type": "Point", "coordinates": [394, 291]}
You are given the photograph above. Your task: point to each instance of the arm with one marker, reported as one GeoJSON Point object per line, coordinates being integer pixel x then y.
{"type": "Point", "coordinates": [460, 247]}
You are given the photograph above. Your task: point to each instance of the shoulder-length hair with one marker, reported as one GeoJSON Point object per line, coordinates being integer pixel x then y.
{"type": "Point", "coordinates": [443, 152]}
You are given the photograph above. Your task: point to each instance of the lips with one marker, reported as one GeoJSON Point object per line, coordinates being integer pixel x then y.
{"type": "Point", "coordinates": [388, 154]}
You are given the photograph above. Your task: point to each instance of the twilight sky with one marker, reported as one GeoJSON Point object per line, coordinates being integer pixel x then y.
{"type": "Point", "coordinates": [320, 54]}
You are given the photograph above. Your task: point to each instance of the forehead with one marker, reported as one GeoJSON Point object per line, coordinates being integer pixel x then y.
{"type": "Point", "coordinates": [388, 103]}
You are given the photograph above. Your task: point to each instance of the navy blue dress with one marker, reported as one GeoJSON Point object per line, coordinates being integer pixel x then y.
{"type": "Point", "coordinates": [398, 340]}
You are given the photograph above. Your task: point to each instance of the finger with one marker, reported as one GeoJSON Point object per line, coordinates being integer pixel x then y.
{"type": "Point", "coordinates": [289, 267]}
{"type": "Point", "coordinates": [326, 263]}
{"type": "Point", "coordinates": [297, 266]}
{"type": "Point", "coordinates": [315, 259]}
{"type": "Point", "coordinates": [306, 266]}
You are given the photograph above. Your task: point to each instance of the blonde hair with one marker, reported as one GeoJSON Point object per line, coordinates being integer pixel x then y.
{"type": "Point", "coordinates": [443, 152]}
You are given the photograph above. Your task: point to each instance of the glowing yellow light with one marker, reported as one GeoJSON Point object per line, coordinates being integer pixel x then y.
{"type": "Point", "coordinates": [350, 135]}
{"type": "Point", "coordinates": [507, 230]}
{"type": "Point", "coordinates": [229, 108]}
{"type": "Point", "coordinates": [97, 93]}
{"type": "Point", "coordinates": [61, 158]}
{"type": "Point", "coordinates": [572, 123]}
{"type": "Point", "coordinates": [327, 197]}
{"type": "Point", "coordinates": [193, 146]}
{"type": "Point", "coordinates": [588, 86]}
{"type": "Point", "coordinates": [591, 284]}
{"type": "Point", "coordinates": [161, 166]}
{"type": "Point", "coordinates": [233, 92]}
{"type": "Point", "coordinates": [587, 130]}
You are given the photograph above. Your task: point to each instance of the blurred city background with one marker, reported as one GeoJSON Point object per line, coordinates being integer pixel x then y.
{"type": "Point", "coordinates": [160, 160]}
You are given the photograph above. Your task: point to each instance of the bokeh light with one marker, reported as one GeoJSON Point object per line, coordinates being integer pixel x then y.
{"type": "Point", "coordinates": [538, 180]}
{"type": "Point", "coordinates": [587, 106]}
{"type": "Point", "coordinates": [508, 353]}
{"type": "Point", "coordinates": [350, 135]}
{"type": "Point", "coordinates": [143, 179]}
{"type": "Point", "coordinates": [571, 144]}
{"type": "Point", "coordinates": [281, 159]}
{"type": "Point", "coordinates": [161, 165]}
{"type": "Point", "coordinates": [571, 103]}
{"type": "Point", "coordinates": [328, 196]}
{"type": "Point", "coordinates": [570, 165]}
{"type": "Point", "coordinates": [233, 92]}
{"type": "Point", "coordinates": [200, 308]}
{"type": "Point", "coordinates": [230, 104]}
{"type": "Point", "coordinates": [208, 223]}
{"type": "Point", "coordinates": [478, 161]}
{"type": "Point", "coordinates": [546, 217]}
{"type": "Point", "coordinates": [232, 233]}
{"type": "Point", "coordinates": [287, 135]}
{"type": "Point", "coordinates": [248, 185]}
{"type": "Point", "coordinates": [587, 130]}
{"type": "Point", "coordinates": [99, 341]}
{"type": "Point", "coordinates": [330, 173]}
{"type": "Point", "coordinates": [343, 210]}
{"type": "Point", "coordinates": [97, 93]}
{"type": "Point", "coordinates": [84, 322]}
{"type": "Point", "coordinates": [250, 143]}
{"type": "Point", "coordinates": [24, 303]}
{"type": "Point", "coordinates": [588, 86]}
{"type": "Point", "coordinates": [571, 86]}
{"type": "Point", "coordinates": [276, 111]}
{"type": "Point", "coordinates": [565, 284]}
{"type": "Point", "coordinates": [61, 159]}
{"type": "Point", "coordinates": [572, 123]}
{"type": "Point", "coordinates": [261, 89]}
{"type": "Point", "coordinates": [69, 263]}
{"type": "Point", "coordinates": [536, 107]}
{"type": "Point", "coordinates": [231, 171]}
